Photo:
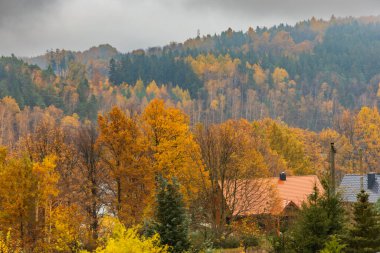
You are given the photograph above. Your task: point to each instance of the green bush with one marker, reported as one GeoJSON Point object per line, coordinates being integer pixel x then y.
{"type": "Point", "coordinates": [249, 241]}
{"type": "Point", "coordinates": [200, 242]}
{"type": "Point", "coordinates": [277, 243]}
{"type": "Point", "coordinates": [333, 246]}
{"type": "Point", "coordinates": [228, 243]}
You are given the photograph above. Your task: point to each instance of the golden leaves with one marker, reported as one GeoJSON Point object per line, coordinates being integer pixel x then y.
{"type": "Point", "coordinates": [175, 152]}
{"type": "Point", "coordinates": [279, 75]}
{"type": "Point", "coordinates": [125, 153]}
{"type": "Point", "coordinates": [47, 177]}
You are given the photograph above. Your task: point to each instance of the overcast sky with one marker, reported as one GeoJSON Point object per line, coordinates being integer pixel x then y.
{"type": "Point", "coordinates": [30, 27]}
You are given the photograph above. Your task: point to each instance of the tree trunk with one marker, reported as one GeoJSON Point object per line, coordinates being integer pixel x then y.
{"type": "Point", "coordinates": [118, 185]}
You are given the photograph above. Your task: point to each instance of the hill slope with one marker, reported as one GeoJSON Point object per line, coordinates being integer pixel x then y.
{"type": "Point", "coordinates": [305, 75]}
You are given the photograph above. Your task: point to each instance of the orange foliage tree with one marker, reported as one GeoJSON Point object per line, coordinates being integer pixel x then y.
{"type": "Point", "coordinates": [124, 151]}
{"type": "Point", "coordinates": [175, 153]}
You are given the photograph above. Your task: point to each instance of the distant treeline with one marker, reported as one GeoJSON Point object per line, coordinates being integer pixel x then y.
{"type": "Point", "coordinates": [164, 69]}
{"type": "Point", "coordinates": [305, 75]}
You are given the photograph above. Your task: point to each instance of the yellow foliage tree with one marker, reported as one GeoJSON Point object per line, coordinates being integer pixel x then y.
{"type": "Point", "coordinates": [286, 143]}
{"type": "Point", "coordinates": [367, 137]}
{"type": "Point", "coordinates": [66, 229]}
{"type": "Point", "coordinates": [125, 153]}
{"type": "Point", "coordinates": [17, 194]}
{"type": "Point", "coordinates": [259, 75]}
{"type": "Point", "coordinates": [152, 90]}
{"type": "Point", "coordinates": [279, 75]}
{"type": "Point", "coordinates": [46, 190]}
{"type": "Point", "coordinates": [28, 193]}
{"type": "Point", "coordinates": [345, 162]}
{"type": "Point", "coordinates": [47, 178]}
{"type": "Point", "coordinates": [175, 152]}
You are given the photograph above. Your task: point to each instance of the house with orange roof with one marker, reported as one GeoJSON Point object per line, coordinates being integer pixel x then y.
{"type": "Point", "coordinates": [271, 197]}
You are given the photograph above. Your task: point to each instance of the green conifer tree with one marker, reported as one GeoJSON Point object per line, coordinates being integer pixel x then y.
{"type": "Point", "coordinates": [171, 219]}
{"type": "Point", "coordinates": [311, 229]}
{"type": "Point", "coordinates": [332, 204]}
{"type": "Point", "coordinates": [323, 216]}
{"type": "Point", "coordinates": [113, 73]}
{"type": "Point", "coordinates": [364, 235]}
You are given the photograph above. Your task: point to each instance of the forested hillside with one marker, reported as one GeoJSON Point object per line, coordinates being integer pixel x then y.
{"type": "Point", "coordinates": [90, 137]}
{"type": "Point", "coordinates": [314, 75]}
{"type": "Point", "coordinates": [305, 75]}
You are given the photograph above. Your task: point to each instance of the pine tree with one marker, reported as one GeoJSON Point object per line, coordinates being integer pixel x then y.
{"type": "Point", "coordinates": [364, 235]}
{"type": "Point", "coordinates": [83, 90]}
{"type": "Point", "coordinates": [311, 230]}
{"type": "Point", "coordinates": [322, 217]}
{"type": "Point", "coordinates": [332, 204]}
{"type": "Point", "coordinates": [171, 217]}
{"type": "Point", "coordinates": [113, 74]}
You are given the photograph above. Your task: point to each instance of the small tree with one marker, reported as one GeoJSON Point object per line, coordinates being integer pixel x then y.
{"type": "Point", "coordinates": [364, 235]}
{"type": "Point", "coordinates": [247, 231]}
{"type": "Point", "coordinates": [172, 225]}
{"type": "Point", "coordinates": [333, 246]}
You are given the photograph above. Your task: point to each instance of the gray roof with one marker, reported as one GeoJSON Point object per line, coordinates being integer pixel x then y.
{"type": "Point", "coordinates": [351, 186]}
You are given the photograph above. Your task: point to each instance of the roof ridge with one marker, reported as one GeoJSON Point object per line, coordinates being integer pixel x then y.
{"type": "Point", "coordinates": [360, 175]}
{"type": "Point", "coordinates": [288, 177]}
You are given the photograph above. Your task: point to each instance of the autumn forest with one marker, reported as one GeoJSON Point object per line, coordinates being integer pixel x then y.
{"type": "Point", "coordinates": [100, 142]}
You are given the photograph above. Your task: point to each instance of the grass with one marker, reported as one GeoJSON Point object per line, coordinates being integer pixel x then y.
{"type": "Point", "coordinates": [237, 250]}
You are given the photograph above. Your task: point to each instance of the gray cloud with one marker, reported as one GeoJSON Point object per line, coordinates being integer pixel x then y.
{"type": "Point", "coordinates": [30, 27]}
{"type": "Point", "coordinates": [291, 8]}
{"type": "Point", "coordinates": [13, 12]}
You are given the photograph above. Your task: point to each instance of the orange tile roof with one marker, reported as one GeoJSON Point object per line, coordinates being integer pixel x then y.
{"type": "Point", "coordinates": [297, 188]}
{"type": "Point", "coordinates": [270, 195]}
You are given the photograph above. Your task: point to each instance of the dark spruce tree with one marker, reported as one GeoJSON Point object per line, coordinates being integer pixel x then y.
{"type": "Point", "coordinates": [311, 229]}
{"type": "Point", "coordinates": [364, 235]}
{"type": "Point", "coordinates": [332, 204]}
{"type": "Point", "coordinates": [319, 219]}
{"type": "Point", "coordinates": [171, 219]}
{"type": "Point", "coordinates": [113, 74]}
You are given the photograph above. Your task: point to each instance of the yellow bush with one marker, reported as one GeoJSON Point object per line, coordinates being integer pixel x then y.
{"type": "Point", "coordinates": [129, 241]}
